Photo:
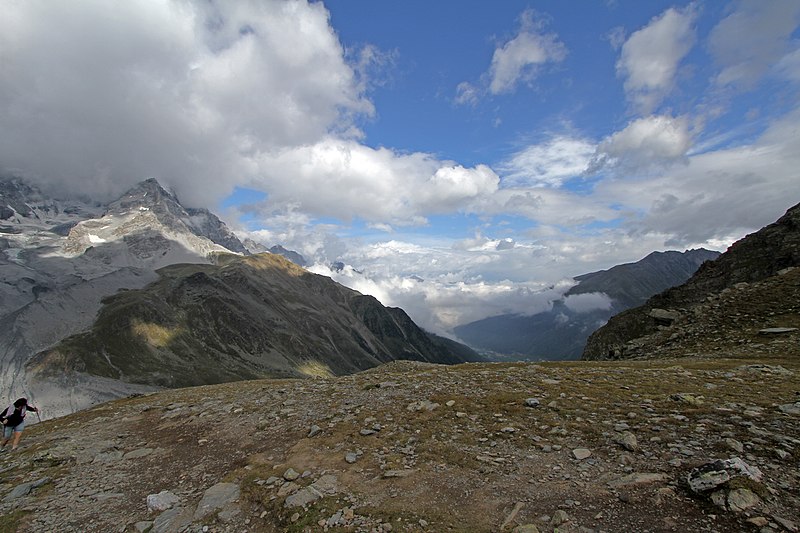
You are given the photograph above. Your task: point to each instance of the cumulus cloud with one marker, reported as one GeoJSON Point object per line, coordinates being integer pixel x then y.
{"type": "Point", "coordinates": [646, 142]}
{"type": "Point", "coordinates": [344, 179]}
{"type": "Point", "coordinates": [717, 196]}
{"type": "Point", "coordinates": [99, 95]}
{"type": "Point", "coordinates": [650, 57]}
{"type": "Point", "coordinates": [752, 39]}
{"type": "Point", "coordinates": [204, 97]}
{"type": "Point", "coordinates": [548, 164]}
{"type": "Point", "coordinates": [518, 59]}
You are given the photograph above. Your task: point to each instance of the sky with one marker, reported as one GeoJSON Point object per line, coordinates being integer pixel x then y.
{"type": "Point", "coordinates": [463, 159]}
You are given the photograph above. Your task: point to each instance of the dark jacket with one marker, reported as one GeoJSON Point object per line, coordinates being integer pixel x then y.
{"type": "Point", "coordinates": [13, 416]}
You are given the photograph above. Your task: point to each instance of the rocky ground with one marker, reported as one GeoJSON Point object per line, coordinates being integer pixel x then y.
{"type": "Point", "coordinates": [584, 446]}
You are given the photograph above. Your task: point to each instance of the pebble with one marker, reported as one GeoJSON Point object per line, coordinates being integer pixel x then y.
{"type": "Point", "coordinates": [581, 453]}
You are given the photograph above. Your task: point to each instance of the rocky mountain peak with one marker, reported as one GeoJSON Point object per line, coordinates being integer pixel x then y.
{"type": "Point", "coordinates": [148, 195]}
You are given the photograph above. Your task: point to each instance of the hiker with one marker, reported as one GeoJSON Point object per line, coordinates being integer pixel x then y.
{"type": "Point", "coordinates": [13, 419]}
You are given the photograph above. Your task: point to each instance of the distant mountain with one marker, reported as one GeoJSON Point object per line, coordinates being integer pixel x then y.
{"type": "Point", "coordinates": [631, 284]}
{"type": "Point", "coordinates": [242, 318]}
{"type": "Point", "coordinates": [291, 255]}
{"type": "Point", "coordinates": [561, 333]}
{"type": "Point", "coordinates": [254, 247]}
{"type": "Point", "coordinates": [760, 258]}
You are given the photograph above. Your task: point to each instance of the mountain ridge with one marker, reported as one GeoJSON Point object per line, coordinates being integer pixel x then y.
{"type": "Point", "coordinates": [760, 257]}
{"type": "Point", "coordinates": [196, 326]}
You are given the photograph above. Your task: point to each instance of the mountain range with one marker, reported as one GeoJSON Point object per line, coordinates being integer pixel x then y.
{"type": "Point", "coordinates": [184, 276]}
{"type": "Point", "coordinates": [561, 332]}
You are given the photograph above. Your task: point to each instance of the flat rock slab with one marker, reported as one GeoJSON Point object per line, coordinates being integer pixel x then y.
{"type": "Point", "coordinates": [742, 499]}
{"type": "Point", "coordinates": [327, 484]}
{"type": "Point", "coordinates": [775, 331]}
{"type": "Point", "coordinates": [302, 497]}
{"type": "Point", "coordinates": [396, 473]}
{"type": "Point", "coordinates": [108, 457]}
{"type": "Point", "coordinates": [216, 498]}
{"type": "Point", "coordinates": [717, 473]}
{"type": "Point", "coordinates": [790, 408]}
{"type": "Point", "coordinates": [25, 489]}
{"type": "Point", "coordinates": [175, 519]}
{"type": "Point", "coordinates": [138, 454]}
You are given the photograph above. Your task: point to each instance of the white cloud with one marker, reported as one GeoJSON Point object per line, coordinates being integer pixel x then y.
{"type": "Point", "coordinates": [97, 95]}
{"type": "Point", "coordinates": [752, 39]}
{"type": "Point", "coordinates": [616, 37]}
{"type": "Point", "coordinates": [344, 179]}
{"type": "Point", "coordinates": [467, 94]}
{"type": "Point", "coordinates": [716, 196]}
{"type": "Point", "coordinates": [647, 142]}
{"type": "Point", "coordinates": [789, 66]}
{"type": "Point", "coordinates": [518, 59]}
{"type": "Point", "coordinates": [650, 57]}
{"type": "Point", "coordinates": [206, 96]}
{"type": "Point", "coordinates": [548, 164]}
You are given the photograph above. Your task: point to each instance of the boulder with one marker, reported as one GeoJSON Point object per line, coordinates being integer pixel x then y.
{"type": "Point", "coordinates": [162, 501]}
{"type": "Point", "coordinates": [627, 440]}
{"type": "Point", "coordinates": [216, 498]}
{"type": "Point", "coordinates": [717, 474]}
{"type": "Point", "coordinates": [663, 316]}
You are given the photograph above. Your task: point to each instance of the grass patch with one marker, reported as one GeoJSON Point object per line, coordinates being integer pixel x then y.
{"type": "Point", "coordinates": [10, 522]}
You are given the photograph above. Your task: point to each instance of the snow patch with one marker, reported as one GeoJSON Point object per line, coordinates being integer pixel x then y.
{"type": "Point", "coordinates": [94, 239]}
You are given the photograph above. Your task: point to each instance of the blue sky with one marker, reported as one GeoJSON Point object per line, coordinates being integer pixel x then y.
{"type": "Point", "coordinates": [494, 150]}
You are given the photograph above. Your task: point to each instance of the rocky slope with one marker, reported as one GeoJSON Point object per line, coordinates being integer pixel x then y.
{"type": "Point", "coordinates": [751, 285]}
{"type": "Point", "coordinates": [241, 318]}
{"type": "Point", "coordinates": [561, 333]}
{"type": "Point", "coordinates": [617, 447]}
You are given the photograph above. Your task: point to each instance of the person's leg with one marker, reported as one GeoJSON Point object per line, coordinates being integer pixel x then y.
{"type": "Point", "coordinates": [17, 436]}
{"type": "Point", "coordinates": [6, 436]}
